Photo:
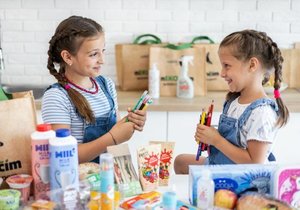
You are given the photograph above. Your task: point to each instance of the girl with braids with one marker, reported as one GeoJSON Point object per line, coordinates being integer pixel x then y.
{"type": "Point", "coordinates": [82, 100]}
{"type": "Point", "coordinates": [250, 119]}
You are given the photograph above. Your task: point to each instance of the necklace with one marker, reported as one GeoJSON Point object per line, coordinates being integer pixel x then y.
{"type": "Point", "coordinates": [85, 90]}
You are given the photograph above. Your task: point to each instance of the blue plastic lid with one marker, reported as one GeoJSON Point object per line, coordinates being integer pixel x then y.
{"type": "Point", "coordinates": [63, 132]}
{"type": "Point", "coordinates": [169, 199]}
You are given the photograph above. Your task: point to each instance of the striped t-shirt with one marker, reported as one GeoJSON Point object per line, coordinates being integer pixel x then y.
{"type": "Point", "coordinates": [58, 109]}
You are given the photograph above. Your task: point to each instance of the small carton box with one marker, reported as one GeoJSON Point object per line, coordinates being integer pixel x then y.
{"type": "Point", "coordinates": [287, 185]}
{"type": "Point", "coordinates": [237, 178]}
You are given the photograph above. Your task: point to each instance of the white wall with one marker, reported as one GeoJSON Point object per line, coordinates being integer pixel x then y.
{"type": "Point", "coordinates": [27, 26]}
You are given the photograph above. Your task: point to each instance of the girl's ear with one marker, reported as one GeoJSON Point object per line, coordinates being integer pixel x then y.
{"type": "Point", "coordinates": [67, 57]}
{"type": "Point", "coordinates": [253, 64]}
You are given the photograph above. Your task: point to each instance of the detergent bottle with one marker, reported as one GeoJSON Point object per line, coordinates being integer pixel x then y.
{"type": "Point", "coordinates": [185, 86]}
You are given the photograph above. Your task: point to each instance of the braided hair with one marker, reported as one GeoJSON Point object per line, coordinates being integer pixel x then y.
{"type": "Point", "coordinates": [69, 35]}
{"type": "Point", "coordinates": [250, 43]}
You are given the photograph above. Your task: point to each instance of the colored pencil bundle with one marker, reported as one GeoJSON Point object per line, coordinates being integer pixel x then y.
{"type": "Point", "coordinates": [205, 119]}
{"type": "Point", "coordinates": [143, 102]}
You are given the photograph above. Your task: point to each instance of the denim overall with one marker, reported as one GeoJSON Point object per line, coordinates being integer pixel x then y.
{"type": "Point", "coordinates": [103, 123]}
{"type": "Point", "coordinates": [229, 128]}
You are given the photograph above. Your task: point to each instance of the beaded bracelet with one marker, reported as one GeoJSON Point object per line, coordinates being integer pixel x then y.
{"type": "Point", "coordinates": [113, 138]}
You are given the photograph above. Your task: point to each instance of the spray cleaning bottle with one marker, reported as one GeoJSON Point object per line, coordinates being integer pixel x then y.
{"type": "Point", "coordinates": [185, 86]}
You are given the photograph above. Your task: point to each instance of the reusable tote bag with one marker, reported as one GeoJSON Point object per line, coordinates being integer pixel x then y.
{"type": "Point", "coordinates": [212, 63]}
{"type": "Point", "coordinates": [132, 62]}
{"type": "Point", "coordinates": [290, 67]}
{"type": "Point", "coordinates": [167, 60]}
{"type": "Point", "coordinates": [17, 122]}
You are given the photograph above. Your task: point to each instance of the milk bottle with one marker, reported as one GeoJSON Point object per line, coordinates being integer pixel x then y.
{"type": "Point", "coordinates": [40, 160]}
{"type": "Point", "coordinates": [64, 163]}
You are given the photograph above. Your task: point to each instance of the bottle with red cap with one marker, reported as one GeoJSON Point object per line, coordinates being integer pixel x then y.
{"type": "Point", "coordinates": [40, 160]}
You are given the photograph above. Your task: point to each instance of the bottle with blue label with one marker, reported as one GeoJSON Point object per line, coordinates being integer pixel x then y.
{"type": "Point", "coordinates": [64, 163]}
{"type": "Point", "coordinates": [107, 181]}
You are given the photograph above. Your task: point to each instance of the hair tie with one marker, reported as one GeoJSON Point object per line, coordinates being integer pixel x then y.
{"type": "Point", "coordinates": [276, 94]}
{"type": "Point", "coordinates": [67, 86]}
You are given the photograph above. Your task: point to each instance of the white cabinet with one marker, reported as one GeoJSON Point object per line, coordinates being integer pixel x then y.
{"type": "Point", "coordinates": [287, 145]}
{"type": "Point", "coordinates": [154, 129]}
{"type": "Point", "coordinates": [182, 127]}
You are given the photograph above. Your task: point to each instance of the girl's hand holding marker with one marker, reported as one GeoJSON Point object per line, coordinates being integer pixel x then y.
{"type": "Point", "coordinates": [205, 119]}
{"type": "Point", "coordinates": [138, 114]}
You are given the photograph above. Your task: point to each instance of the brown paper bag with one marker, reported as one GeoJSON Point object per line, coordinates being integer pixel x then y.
{"type": "Point", "coordinates": [290, 67]}
{"type": "Point", "coordinates": [17, 122]}
{"type": "Point", "coordinates": [212, 65]}
{"type": "Point", "coordinates": [167, 61]}
{"type": "Point", "coordinates": [297, 45]}
{"type": "Point", "coordinates": [132, 62]}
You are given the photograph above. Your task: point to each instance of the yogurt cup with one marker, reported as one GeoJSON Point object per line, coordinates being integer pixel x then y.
{"type": "Point", "coordinates": [22, 183]}
{"type": "Point", "coordinates": [9, 199]}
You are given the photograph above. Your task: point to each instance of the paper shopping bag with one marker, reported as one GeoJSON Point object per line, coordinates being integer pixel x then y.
{"type": "Point", "coordinates": [290, 67]}
{"type": "Point", "coordinates": [17, 122]}
{"type": "Point", "coordinates": [213, 66]}
{"type": "Point", "coordinates": [132, 62]}
{"type": "Point", "coordinates": [167, 60]}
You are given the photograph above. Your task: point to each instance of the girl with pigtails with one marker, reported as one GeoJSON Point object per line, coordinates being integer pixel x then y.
{"type": "Point", "coordinates": [82, 100]}
{"type": "Point", "coordinates": [250, 119]}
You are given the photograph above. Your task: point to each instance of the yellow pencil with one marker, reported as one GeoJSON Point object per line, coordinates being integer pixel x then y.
{"type": "Point", "coordinates": [203, 115]}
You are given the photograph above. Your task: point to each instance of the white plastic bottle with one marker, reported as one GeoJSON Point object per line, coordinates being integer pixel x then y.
{"type": "Point", "coordinates": [185, 86]}
{"type": "Point", "coordinates": [40, 160]}
{"type": "Point", "coordinates": [205, 190]}
{"type": "Point", "coordinates": [64, 163]}
{"type": "Point", "coordinates": [154, 81]}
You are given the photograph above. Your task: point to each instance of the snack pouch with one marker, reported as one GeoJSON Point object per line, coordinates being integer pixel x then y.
{"type": "Point", "coordinates": [166, 161]}
{"type": "Point", "coordinates": [148, 166]}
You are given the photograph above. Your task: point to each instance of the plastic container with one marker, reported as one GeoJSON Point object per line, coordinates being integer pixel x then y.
{"type": "Point", "coordinates": [185, 86]}
{"type": "Point", "coordinates": [169, 201]}
{"type": "Point", "coordinates": [21, 183]}
{"type": "Point", "coordinates": [64, 163]}
{"type": "Point", "coordinates": [9, 199]}
{"type": "Point", "coordinates": [40, 160]}
{"type": "Point", "coordinates": [154, 81]}
{"type": "Point", "coordinates": [107, 181]}
{"type": "Point", "coordinates": [205, 190]}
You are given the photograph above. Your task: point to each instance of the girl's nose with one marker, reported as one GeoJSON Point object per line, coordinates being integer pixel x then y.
{"type": "Point", "coordinates": [101, 59]}
{"type": "Point", "coordinates": [222, 73]}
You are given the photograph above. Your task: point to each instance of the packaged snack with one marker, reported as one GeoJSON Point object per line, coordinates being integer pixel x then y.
{"type": "Point", "coordinates": [86, 169]}
{"type": "Point", "coordinates": [43, 204]}
{"type": "Point", "coordinates": [287, 185]}
{"type": "Point", "coordinates": [237, 178]}
{"type": "Point", "coordinates": [166, 161]}
{"type": "Point", "coordinates": [148, 163]}
{"type": "Point", "coordinates": [254, 201]}
{"type": "Point", "coordinates": [141, 201]}
{"type": "Point", "coordinates": [126, 178]}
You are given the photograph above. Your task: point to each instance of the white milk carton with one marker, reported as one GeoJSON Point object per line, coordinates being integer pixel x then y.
{"type": "Point", "coordinates": [64, 163]}
{"type": "Point", "coordinates": [40, 160]}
